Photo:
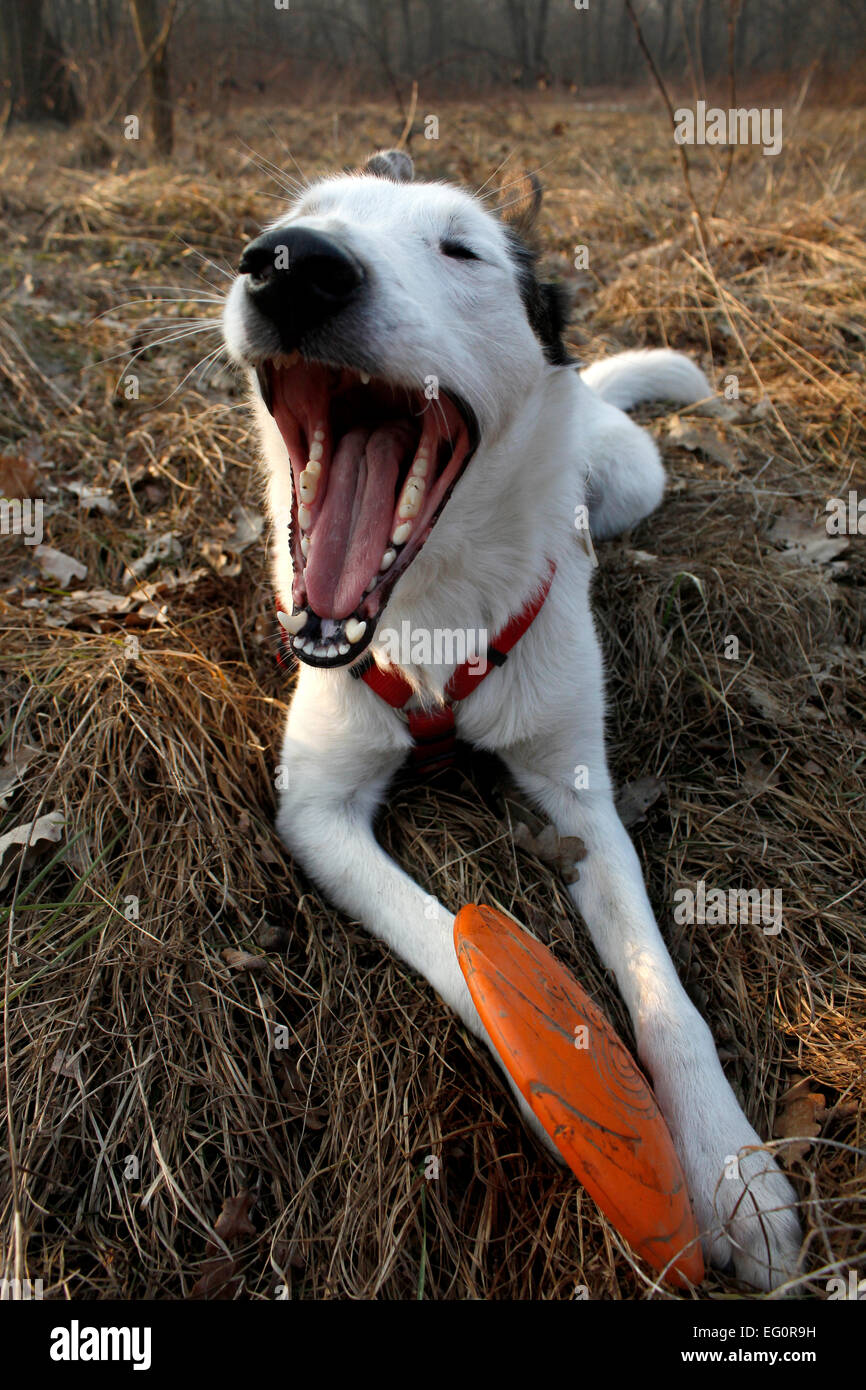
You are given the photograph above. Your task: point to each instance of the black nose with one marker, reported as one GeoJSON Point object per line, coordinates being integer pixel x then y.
{"type": "Point", "coordinates": [299, 279]}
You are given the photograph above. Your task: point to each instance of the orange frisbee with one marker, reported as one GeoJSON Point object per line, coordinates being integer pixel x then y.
{"type": "Point", "coordinates": [582, 1086]}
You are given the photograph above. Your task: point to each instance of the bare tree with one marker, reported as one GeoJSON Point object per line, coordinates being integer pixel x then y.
{"type": "Point", "coordinates": [35, 70]}
{"type": "Point", "coordinates": [152, 35]}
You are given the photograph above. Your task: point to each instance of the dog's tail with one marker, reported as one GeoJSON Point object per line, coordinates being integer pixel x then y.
{"type": "Point", "coordinates": [650, 374]}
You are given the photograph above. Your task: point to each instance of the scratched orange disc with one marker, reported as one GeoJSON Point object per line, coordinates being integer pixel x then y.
{"type": "Point", "coordinates": [583, 1087]}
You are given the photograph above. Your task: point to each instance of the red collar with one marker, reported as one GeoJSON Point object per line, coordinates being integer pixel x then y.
{"type": "Point", "coordinates": [433, 732]}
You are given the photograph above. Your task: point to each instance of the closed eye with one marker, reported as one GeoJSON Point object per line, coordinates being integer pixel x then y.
{"type": "Point", "coordinates": [457, 250]}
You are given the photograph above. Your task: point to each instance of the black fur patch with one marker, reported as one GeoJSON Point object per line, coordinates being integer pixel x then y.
{"type": "Point", "coordinates": [546, 303]}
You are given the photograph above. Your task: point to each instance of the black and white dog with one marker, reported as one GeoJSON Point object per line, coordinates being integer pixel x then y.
{"type": "Point", "coordinates": [429, 447]}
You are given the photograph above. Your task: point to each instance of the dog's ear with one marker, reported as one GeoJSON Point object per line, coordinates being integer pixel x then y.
{"type": "Point", "coordinates": [391, 164]}
{"type": "Point", "coordinates": [519, 203]}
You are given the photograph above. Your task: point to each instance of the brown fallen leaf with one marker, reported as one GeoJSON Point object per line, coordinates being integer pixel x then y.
{"type": "Point", "coordinates": [800, 1120]}
{"type": "Point", "coordinates": [17, 476]}
{"type": "Point", "coordinates": [635, 798]}
{"type": "Point", "coordinates": [37, 835]}
{"type": "Point", "coordinates": [55, 565]}
{"type": "Point", "coordinates": [805, 541]}
{"type": "Point", "coordinates": [564, 852]}
{"type": "Point", "coordinates": [243, 960]}
{"type": "Point", "coordinates": [702, 438]}
{"type": "Point", "coordinates": [219, 1271]}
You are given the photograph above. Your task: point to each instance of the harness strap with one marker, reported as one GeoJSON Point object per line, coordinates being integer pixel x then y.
{"type": "Point", "coordinates": [434, 733]}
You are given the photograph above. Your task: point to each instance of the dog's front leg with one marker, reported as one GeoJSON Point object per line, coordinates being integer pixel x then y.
{"type": "Point", "coordinates": [743, 1203]}
{"type": "Point", "coordinates": [334, 776]}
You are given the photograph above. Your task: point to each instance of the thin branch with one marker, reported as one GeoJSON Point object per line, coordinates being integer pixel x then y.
{"type": "Point", "coordinates": [733, 15]}
{"type": "Point", "coordinates": [659, 81]}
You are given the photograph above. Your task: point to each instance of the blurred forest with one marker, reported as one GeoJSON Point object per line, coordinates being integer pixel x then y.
{"type": "Point", "coordinates": [88, 57]}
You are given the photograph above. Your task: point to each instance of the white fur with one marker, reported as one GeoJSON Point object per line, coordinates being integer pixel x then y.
{"type": "Point", "coordinates": [551, 439]}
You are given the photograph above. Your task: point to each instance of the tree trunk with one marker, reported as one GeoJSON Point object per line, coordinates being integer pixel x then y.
{"type": "Point", "coordinates": [147, 23]}
{"type": "Point", "coordinates": [36, 79]}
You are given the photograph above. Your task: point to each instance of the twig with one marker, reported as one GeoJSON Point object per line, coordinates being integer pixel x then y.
{"type": "Point", "coordinates": [657, 77]}
{"type": "Point", "coordinates": [407, 128]}
{"type": "Point", "coordinates": [733, 15]}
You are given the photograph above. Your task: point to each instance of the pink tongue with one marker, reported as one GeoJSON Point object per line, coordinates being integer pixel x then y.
{"type": "Point", "coordinates": [351, 531]}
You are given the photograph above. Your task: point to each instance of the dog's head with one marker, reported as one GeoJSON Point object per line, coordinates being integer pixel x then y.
{"type": "Point", "coordinates": [391, 327]}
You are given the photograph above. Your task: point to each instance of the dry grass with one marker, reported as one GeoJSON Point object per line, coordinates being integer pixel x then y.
{"type": "Point", "coordinates": [138, 1037]}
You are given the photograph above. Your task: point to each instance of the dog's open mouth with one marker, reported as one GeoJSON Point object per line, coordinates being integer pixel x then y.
{"type": "Point", "coordinates": [373, 465]}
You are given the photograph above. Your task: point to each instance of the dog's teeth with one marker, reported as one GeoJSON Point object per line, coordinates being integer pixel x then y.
{"type": "Point", "coordinates": [308, 486]}
{"type": "Point", "coordinates": [387, 560]}
{"type": "Point", "coordinates": [319, 434]}
{"type": "Point", "coordinates": [309, 647]}
{"type": "Point", "coordinates": [332, 651]}
{"type": "Point", "coordinates": [354, 630]}
{"type": "Point", "coordinates": [292, 622]}
{"type": "Point", "coordinates": [402, 533]}
{"type": "Point", "coordinates": [365, 378]}
{"type": "Point", "coordinates": [411, 498]}
{"type": "Point", "coordinates": [298, 643]}
{"type": "Point", "coordinates": [371, 586]}
{"type": "Point", "coordinates": [314, 465]}
{"type": "Point", "coordinates": [305, 546]}
{"type": "Point", "coordinates": [305, 517]}
{"type": "Point", "coordinates": [420, 466]}
{"type": "Point", "coordinates": [317, 448]}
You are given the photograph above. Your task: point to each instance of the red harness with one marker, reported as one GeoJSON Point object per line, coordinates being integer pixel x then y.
{"type": "Point", "coordinates": [434, 734]}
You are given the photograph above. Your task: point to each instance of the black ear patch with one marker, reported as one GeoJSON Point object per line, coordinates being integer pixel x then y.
{"type": "Point", "coordinates": [391, 164]}
{"type": "Point", "coordinates": [546, 304]}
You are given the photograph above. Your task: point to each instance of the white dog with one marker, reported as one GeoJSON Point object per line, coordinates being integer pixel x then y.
{"type": "Point", "coordinates": [431, 451]}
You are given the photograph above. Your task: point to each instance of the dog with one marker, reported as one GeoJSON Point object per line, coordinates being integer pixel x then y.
{"type": "Point", "coordinates": [431, 452]}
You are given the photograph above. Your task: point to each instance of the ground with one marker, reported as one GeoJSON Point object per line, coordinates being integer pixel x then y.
{"type": "Point", "coordinates": [218, 1086]}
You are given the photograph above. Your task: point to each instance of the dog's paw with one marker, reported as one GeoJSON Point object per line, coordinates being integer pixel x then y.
{"type": "Point", "coordinates": [744, 1205]}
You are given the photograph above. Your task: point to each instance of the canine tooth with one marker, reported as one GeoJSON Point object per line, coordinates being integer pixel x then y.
{"type": "Point", "coordinates": [343, 648]}
{"type": "Point", "coordinates": [305, 546]}
{"type": "Point", "coordinates": [304, 517]}
{"type": "Point", "coordinates": [387, 560]}
{"type": "Point", "coordinates": [354, 630]}
{"type": "Point", "coordinates": [292, 622]}
{"type": "Point", "coordinates": [402, 533]}
{"type": "Point", "coordinates": [317, 448]}
{"type": "Point", "coordinates": [308, 486]}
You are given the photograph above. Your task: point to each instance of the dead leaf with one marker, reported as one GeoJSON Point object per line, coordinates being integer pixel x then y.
{"type": "Point", "coordinates": [17, 476]}
{"type": "Point", "coordinates": [562, 852]}
{"type": "Point", "coordinates": [93, 499]}
{"type": "Point", "coordinates": [703, 439]}
{"type": "Point", "coordinates": [800, 1120]}
{"type": "Point", "coordinates": [162, 549]}
{"type": "Point", "coordinates": [37, 835]}
{"type": "Point", "coordinates": [219, 1271]}
{"type": "Point", "coordinates": [806, 542]}
{"type": "Point", "coordinates": [249, 525]}
{"type": "Point", "coordinates": [635, 798]}
{"type": "Point", "coordinates": [243, 960]}
{"type": "Point", "coordinates": [233, 1222]}
{"type": "Point", "coordinates": [13, 770]}
{"type": "Point", "coordinates": [55, 565]}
